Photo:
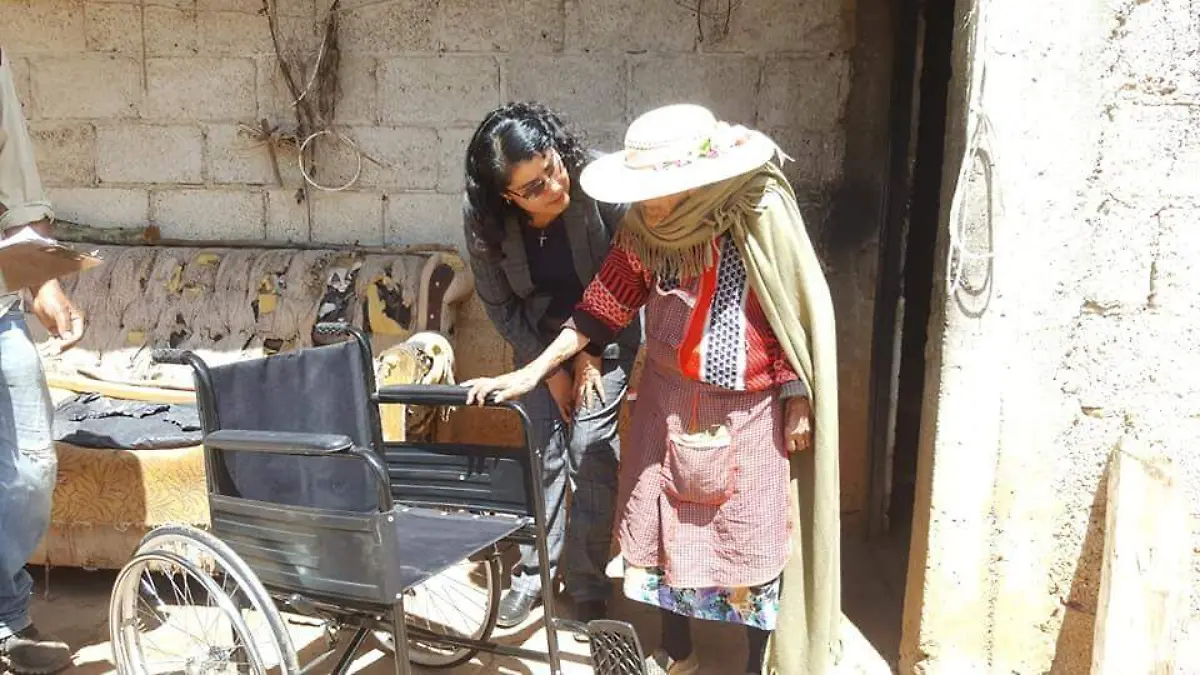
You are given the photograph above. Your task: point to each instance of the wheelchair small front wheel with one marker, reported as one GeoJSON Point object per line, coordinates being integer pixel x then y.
{"type": "Point", "coordinates": [463, 602]}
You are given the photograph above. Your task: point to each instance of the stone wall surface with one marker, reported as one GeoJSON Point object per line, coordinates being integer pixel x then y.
{"type": "Point", "coordinates": [1083, 329]}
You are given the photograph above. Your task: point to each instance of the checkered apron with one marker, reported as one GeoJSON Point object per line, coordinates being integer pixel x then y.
{"type": "Point", "coordinates": [741, 542]}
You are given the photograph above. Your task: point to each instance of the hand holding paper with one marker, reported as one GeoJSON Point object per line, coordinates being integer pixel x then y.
{"type": "Point", "coordinates": [29, 260]}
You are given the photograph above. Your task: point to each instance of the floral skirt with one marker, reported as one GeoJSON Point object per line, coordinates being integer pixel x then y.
{"type": "Point", "coordinates": [756, 606]}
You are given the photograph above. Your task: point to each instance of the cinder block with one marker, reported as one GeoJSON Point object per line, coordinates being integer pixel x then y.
{"type": "Point", "coordinates": [114, 28]}
{"type": "Point", "coordinates": [414, 218]}
{"type": "Point", "coordinates": [102, 207]}
{"type": "Point", "coordinates": [66, 152]}
{"type": "Point", "coordinates": [274, 101]}
{"type": "Point", "coordinates": [149, 154]}
{"type": "Point", "coordinates": [589, 88]}
{"type": "Point", "coordinates": [359, 102]}
{"type": "Point", "coordinates": [172, 31]}
{"type": "Point", "coordinates": [818, 157]}
{"type": "Point", "coordinates": [347, 218]}
{"type": "Point", "coordinates": [1149, 149]}
{"type": "Point", "coordinates": [605, 137]}
{"type": "Point", "coordinates": [1177, 264]}
{"type": "Point", "coordinates": [805, 93]}
{"type": "Point", "coordinates": [201, 89]}
{"type": "Point", "coordinates": [764, 27]}
{"type": "Point", "coordinates": [238, 34]}
{"type": "Point", "coordinates": [440, 90]}
{"type": "Point", "coordinates": [43, 27]}
{"type": "Point", "coordinates": [209, 214]}
{"type": "Point", "coordinates": [624, 26]}
{"type": "Point", "coordinates": [96, 86]}
{"type": "Point", "coordinates": [727, 85]}
{"type": "Point", "coordinates": [408, 158]}
{"type": "Point", "coordinates": [234, 154]}
{"type": "Point", "coordinates": [453, 153]}
{"type": "Point", "coordinates": [287, 216]}
{"type": "Point", "coordinates": [388, 28]}
{"type": "Point", "coordinates": [501, 26]}
{"type": "Point", "coordinates": [1121, 251]}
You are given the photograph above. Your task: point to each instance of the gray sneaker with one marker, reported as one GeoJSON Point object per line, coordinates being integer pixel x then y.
{"type": "Point", "coordinates": [32, 653]}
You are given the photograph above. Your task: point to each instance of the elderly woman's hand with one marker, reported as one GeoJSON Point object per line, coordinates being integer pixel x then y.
{"type": "Point", "coordinates": [504, 388]}
{"type": "Point", "coordinates": [589, 381]}
{"type": "Point", "coordinates": [798, 423]}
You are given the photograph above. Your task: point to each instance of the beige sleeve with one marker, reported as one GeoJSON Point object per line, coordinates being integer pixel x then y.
{"type": "Point", "coordinates": [22, 199]}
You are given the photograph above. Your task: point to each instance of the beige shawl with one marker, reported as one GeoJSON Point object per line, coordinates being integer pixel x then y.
{"type": "Point", "coordinates": [759, 210]}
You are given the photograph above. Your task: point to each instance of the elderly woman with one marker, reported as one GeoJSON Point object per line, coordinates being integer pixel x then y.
{"type": "Point", "coordinates": [728, 501]}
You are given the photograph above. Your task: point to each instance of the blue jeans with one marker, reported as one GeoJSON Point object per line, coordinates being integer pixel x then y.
{"type": "Point", "coordinates": [583, 455]}
{"type": "Point", "coordinates": [27, 467]}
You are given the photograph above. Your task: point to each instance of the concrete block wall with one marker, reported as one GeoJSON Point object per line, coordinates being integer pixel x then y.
{"type": "Point", "coordinates": [138, 108]}
{"type": "Point", "coordinates": [1084, 329]}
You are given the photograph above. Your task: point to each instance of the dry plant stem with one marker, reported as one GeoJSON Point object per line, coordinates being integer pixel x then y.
{"type": "Point", "coordinates": [313, 113]}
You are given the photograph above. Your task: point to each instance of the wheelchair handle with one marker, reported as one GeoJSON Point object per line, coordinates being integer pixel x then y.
{"type": "Point", "coordinates": [429, 394]}
{"type": "Point", "coordinates": [178, 357]}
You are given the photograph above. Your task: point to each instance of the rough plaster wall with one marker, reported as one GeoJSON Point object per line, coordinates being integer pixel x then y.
{"type": "Point", "coordinates": [1086, 328]}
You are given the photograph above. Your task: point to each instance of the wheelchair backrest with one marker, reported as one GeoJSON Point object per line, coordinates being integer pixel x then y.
{"type": "Point", "coordinates": [314, 390]}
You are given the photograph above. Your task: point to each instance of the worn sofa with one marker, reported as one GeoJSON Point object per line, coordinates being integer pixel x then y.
{"type": "Point", "coordinates": [224, 303]}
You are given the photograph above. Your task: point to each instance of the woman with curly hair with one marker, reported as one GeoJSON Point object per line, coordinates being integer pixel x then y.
{"type": "Point", "coordinates": [535, 241]}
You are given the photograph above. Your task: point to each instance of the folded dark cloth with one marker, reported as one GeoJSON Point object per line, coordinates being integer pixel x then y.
{"type": "Point", "coordinates": [95, 421]}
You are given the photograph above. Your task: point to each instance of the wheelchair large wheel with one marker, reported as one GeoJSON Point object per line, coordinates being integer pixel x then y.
{"type": "Point", "coordinates": [268, 633]}
{"type": "Point", "coordinates": [462, 602]}
{"type": "Point", "coordinates": [166, 615]}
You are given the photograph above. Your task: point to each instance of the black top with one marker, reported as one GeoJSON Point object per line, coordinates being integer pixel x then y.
{"type": "Point", "coordinates": [552, 270]}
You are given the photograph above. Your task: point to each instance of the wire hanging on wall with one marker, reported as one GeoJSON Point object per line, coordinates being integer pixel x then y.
{"type": "Point", "coordinates": [982, 148]}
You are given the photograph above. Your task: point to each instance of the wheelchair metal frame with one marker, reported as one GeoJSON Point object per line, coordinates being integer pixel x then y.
{"type": "Point", "coordinates": [366, 616]}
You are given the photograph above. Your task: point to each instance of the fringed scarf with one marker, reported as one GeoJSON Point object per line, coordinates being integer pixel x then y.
{"type": "Point", "coordinates": [759, 210]}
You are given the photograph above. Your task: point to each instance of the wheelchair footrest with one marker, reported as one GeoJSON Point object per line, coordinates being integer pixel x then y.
{"type": "Point", "coordinates": [616, 649]}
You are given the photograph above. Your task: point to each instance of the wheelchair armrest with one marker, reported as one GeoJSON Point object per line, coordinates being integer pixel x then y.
{"type": "Point", "coordinates": [278, 442]}
{"type": "Point", "coordinates": [423, 394]}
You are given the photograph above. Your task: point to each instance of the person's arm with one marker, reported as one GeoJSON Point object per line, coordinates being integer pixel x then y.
{"type": "Point", "coordinates": [503, 307]}
{"type": "Point", "coordinates": [609, 304]}
{"type": "Point", "coordinates": [23, 203]}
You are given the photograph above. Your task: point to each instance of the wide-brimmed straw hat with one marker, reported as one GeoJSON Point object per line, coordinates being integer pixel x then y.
{"type": "Point", "coordinates": [674, 149]}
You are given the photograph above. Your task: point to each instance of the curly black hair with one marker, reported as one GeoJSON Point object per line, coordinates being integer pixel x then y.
{"type": "Point", "coordinates": [508, 136]}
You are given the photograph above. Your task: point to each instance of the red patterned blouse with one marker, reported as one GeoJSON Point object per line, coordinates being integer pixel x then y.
{"type": "Point", "coordinates": [728, 342]}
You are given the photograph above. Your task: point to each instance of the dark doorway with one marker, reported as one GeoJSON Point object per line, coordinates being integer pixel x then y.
{"type": "Point", "coordinates": [925, 33]}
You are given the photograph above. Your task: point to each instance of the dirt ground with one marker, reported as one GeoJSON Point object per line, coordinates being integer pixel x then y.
{"type": "Point", "coordinates": [73, 604]}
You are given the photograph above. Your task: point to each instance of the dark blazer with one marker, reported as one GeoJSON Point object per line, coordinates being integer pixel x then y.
{"type": "Point", "coordinates": [506, 286]}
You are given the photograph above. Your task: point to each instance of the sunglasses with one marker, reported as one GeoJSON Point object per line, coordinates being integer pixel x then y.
{"type": "Point", "coordinates": [537, 187]}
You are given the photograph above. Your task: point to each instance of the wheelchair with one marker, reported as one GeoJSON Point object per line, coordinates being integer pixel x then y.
{"type": "Point", "coordinates": [317, 523]}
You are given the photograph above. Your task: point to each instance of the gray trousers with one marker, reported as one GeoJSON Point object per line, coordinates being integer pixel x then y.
{"type": "Point", "coordinates": [584, 456]}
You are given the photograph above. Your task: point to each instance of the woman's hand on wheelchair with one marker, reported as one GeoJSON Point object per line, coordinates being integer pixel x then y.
{"type": "Point", "coordinates": [484, 390]}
